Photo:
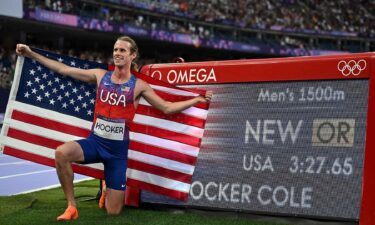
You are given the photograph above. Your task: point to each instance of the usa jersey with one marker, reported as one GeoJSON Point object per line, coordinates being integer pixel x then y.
{"type": "Point", "coordinates": [114, 108]}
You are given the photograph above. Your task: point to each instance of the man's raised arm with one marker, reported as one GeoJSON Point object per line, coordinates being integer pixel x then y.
{"type": "Point", "coordinates": [89, 75]}
{"type": "Point", "coordinates": [169, 107]}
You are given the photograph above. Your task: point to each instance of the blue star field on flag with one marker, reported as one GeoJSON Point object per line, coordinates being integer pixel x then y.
{"type": "Point", "coordinates": [44, 88]}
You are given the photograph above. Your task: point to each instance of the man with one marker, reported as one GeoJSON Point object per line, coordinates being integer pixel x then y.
{"type": "Point", "coordinates": [118, 93]}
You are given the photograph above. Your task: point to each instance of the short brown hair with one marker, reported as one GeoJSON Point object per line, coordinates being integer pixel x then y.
{"type": "Point", "coordinates": [133, 49]}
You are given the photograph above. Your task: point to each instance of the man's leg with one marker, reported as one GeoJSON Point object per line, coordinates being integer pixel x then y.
{"type": "Point", "coordinates": [115, 181]}
{"type": "Point", "coordinates": [64, 155]}
{"type": "Point", "coordinates": [114, 201]}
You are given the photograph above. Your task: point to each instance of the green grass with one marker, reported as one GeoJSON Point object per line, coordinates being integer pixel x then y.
{"type": "Point", "coordinates": [42, 208]}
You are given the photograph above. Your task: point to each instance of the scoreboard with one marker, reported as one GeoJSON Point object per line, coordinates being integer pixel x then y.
{"type": "Point", "coordinates": [283, 136]}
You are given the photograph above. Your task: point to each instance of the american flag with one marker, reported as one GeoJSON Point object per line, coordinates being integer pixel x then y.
{"type": "Point", "coordinates": [163, 149]}
{"type": "Point", "coordinates": [46, 109]}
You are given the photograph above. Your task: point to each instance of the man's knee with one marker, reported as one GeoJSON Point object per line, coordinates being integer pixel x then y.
{"type": "Point", "coordinates": [114, 201]}
{"type": "Point", "coordinates": [114, 211]}
{"type": "Point", "coordinates": [60, 154]}
{"type": "Point", "coordinates": [68, 152]}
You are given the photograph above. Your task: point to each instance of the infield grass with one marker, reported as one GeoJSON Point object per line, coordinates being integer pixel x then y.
{"type": "Point", "coordinates": [42, 207]}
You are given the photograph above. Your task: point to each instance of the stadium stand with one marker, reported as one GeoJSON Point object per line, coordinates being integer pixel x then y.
{"type": "Point", "coordinates": [315, 20]}
{"type": "Point", "coordinates": [299, 27]}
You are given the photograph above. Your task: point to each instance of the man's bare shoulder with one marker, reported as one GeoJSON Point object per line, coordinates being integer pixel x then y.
{"type": "Point", "coordinates": [141, 87]}
{"type": "Point", "coordinates": [98, 74]}
{"type": "Point", "coordinates": [141, 84]}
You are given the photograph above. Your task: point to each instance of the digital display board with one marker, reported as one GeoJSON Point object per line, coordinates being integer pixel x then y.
{"type": "Point", "coordinates": [287, 136]}
{"type": "Point", "coordinates": [283, 147]}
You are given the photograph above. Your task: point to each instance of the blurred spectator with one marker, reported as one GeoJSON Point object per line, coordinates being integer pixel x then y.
{"type": "Point", "coordinates": [7, 65]}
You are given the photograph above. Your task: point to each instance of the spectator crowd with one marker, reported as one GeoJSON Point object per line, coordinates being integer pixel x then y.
{"type": "Point", "coordinates": [300, 16]}
{"type": "Point", "coordinates": [319, 16]}
{"type": "Point", "coordinates": [207, 18]}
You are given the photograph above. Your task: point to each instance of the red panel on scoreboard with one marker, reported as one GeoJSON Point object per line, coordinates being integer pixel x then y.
{"type": "Point", "coordinates": [367, 216]}
{"type": "Point", "coordinates": [348, 66]}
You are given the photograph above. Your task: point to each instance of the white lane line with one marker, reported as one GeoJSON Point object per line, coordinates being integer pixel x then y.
{"type": "Point", "coordinates": [25, 174]}
{"type": "Point", "coordinates": [14, 163]}
{"type": "Point", "coordinates": [51, 186]}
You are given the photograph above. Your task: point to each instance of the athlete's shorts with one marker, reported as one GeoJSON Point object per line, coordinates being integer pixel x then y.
{"type": "Point", "coordinates": [114, 156]}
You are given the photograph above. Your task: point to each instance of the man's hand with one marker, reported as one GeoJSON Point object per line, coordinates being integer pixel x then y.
{"type": "Point", "coordinates": [207, 97]}
{"type": "Point", "coordinates": [23, 50]}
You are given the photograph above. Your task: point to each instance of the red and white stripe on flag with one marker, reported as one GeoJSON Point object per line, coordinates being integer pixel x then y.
{"type": "Point", "coordinates": [33, 133]}
{"type": "Point", "coordinates": [163, 148]}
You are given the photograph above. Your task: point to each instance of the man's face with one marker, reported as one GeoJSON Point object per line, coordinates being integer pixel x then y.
{"type": "Point", "coordinates": [122, 54]}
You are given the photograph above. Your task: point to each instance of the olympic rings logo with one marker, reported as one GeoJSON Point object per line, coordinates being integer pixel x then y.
{"type": "Point", "coordinates": [351, 67]}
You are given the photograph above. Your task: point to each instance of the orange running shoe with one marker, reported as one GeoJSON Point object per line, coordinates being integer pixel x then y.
{"type": "Point", "coordinates": [71, 213]}
{"type": "Point", "coordinates": [102, 197]}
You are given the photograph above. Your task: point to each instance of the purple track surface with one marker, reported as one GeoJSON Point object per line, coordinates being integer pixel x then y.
{"type": "Point", "coordinates": [19, 176]}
